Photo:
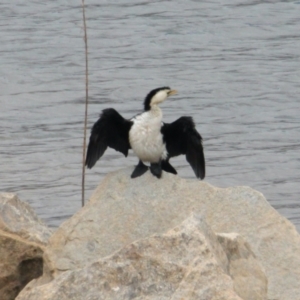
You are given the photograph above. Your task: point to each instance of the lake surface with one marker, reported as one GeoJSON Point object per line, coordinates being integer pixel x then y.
{"type": "Point", "coordinates": [235, 63]}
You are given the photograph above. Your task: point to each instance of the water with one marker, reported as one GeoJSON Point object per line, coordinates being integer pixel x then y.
{"type": "Point", "coordinates": [236, 64]}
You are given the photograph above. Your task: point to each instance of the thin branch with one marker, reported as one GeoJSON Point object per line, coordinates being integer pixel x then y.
{"type": "Point", "coordinates": [86, 106]}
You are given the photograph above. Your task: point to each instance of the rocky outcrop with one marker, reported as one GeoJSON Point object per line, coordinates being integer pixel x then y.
{"type": "Point", "coordinates": [22, 239]}
{"type": "Point", "coordinates": [187, 262]}
{"type": "Point", "coordinates": [123, 210]}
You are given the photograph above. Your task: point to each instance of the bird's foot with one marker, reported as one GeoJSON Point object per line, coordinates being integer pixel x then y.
{"type": "Point", "coordinates": [156, 169]}
{"type": "Point", "coordinates": [139, 170]}
{"type": "Point", "coordinates": [166, 166]}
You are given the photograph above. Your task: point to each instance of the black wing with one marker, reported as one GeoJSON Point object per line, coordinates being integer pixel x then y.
{"type": "Point", "coordinates": [111, 130]}
{"type": "Point", "coordinates": [181, 137]}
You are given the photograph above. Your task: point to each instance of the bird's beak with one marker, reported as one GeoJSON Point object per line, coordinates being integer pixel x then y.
{"type": "Point", "coordinates": [172, 92]}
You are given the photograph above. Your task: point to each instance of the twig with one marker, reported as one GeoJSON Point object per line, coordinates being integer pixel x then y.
{"type": "Point", "coordinates": [86, 106]}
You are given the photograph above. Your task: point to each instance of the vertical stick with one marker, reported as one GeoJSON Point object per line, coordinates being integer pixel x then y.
{"type": "Point", "coordinates": [86, 106]}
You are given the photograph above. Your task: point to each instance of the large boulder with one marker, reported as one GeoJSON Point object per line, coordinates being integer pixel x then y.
{"type": "Point", "coordinates": [187, 262]}
{"type": "Point", "coordinates": [23, 237]}
{"type": "Point", "coordinates": [122, 210]}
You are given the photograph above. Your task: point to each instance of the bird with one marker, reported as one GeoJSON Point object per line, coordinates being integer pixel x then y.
{"type": "Point", "coordinates": [152, 140]}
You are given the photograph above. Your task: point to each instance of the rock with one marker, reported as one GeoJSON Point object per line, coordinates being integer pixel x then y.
{"type": "Point", "coordinates": [122, 210]}
{"type": "Point", "coordinates": [249, 279]}
{"type": "Point", "coordinates": [28, 225]}
{"type": "Point", "coordinates": [187, 262]}
{"type": "Point", "coordinates": [22, 240]}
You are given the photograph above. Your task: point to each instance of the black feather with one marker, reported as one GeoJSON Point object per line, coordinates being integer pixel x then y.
{"type": "Point", "coordinates": [111, 130]}
{"type": "Point", "coordinates": [181, 137]}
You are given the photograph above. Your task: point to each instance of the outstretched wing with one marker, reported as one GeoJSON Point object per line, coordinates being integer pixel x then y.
{"type": "Point", "coordinates": [181, 137]}
{"type": "Point", "coordinates": [111, 130]}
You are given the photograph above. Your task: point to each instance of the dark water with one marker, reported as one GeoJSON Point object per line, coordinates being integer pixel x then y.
{"type": "Point", "coordinates": [235, 63]}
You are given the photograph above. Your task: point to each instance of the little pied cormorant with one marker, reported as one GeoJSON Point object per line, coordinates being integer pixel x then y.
{"type": "Point", "coordinates": [150, 139]}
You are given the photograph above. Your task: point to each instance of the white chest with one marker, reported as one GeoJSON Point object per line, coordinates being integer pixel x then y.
{"type": "Point", "coordinates": [145, 137]}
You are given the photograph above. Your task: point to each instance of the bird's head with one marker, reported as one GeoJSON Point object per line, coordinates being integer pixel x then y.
{"type": "Point", "coordinates": [157, 96]}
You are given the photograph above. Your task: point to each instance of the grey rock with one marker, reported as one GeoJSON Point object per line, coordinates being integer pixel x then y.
{"type": "Point", "coordinates": [17, 217]}
{"type": "Point", "coordinates": [22, 240]}
{"type": "Point", "coordinates": [123, 210]}
{"type": "Point", "coordinates": [187, 262]}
